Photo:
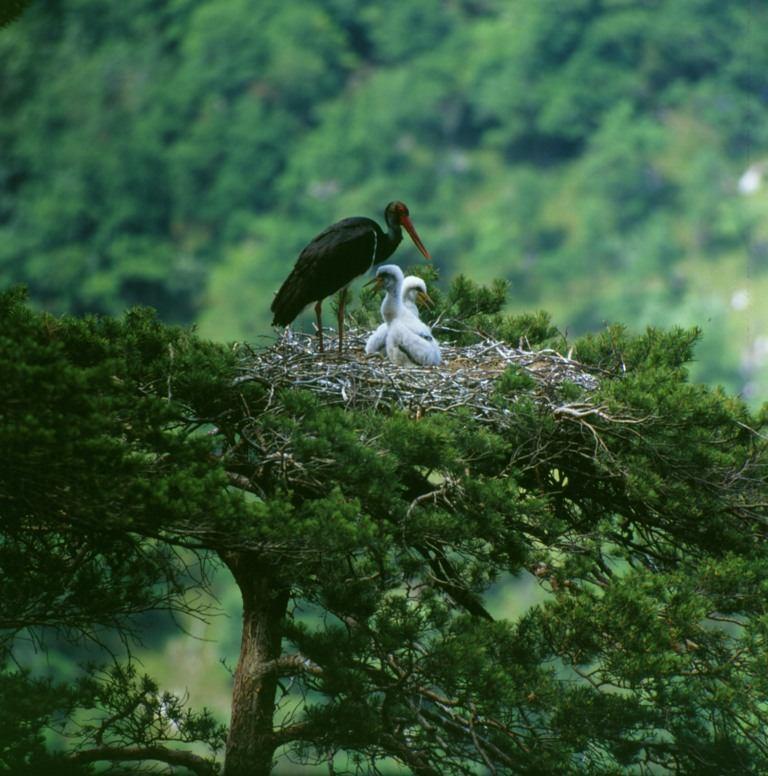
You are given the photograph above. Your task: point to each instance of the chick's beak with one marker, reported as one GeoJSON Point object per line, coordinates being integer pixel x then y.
{"type": "Point", "coordinates": [424, 298]}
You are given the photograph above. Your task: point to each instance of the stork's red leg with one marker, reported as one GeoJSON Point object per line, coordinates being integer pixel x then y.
{"type": "Point", "coordinates": [342, 302]}
{"type": "Point", "coordinates": [319, 314]}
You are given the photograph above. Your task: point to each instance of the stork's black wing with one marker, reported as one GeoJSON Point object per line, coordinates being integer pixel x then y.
{"type": "Point", "coordinates": [333, 259]}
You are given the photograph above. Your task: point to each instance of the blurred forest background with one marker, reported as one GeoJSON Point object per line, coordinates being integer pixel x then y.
{"type": "Point", "coordinates": [609, 158]}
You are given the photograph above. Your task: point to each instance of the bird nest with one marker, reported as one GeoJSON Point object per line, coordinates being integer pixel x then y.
{"type": "Point", "coordinates": [466, 378]}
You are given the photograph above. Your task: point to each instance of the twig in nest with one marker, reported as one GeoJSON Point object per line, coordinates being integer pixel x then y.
{"type": "Point", "coordinates": [465, 379]}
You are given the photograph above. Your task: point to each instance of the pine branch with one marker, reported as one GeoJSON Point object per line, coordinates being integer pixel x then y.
{"type": "Point", "coordinates": [193, 762]}
{"type": "Point", "coordinates": [12, 10]}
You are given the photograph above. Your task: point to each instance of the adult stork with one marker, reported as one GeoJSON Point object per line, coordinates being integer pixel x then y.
{"type": "Point", "coordinates": [335, 258]}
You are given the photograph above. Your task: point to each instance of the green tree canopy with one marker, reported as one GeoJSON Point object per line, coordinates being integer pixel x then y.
{"type": "Point", "coordinates": [365, 539]}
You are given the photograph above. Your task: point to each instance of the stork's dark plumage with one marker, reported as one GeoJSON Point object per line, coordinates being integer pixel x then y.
{"type": "Point", "coordinates": [335, 258]}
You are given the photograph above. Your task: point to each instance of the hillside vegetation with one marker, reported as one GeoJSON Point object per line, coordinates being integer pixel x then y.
{"type": "Point", "coordinates": [603, 156]}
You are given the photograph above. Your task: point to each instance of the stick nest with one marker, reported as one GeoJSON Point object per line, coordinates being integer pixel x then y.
{"type": "Point", "coordinates": [465, 379]}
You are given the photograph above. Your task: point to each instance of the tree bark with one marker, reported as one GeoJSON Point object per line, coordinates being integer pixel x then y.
{"type": "Point", "coordinates": [251, 743]}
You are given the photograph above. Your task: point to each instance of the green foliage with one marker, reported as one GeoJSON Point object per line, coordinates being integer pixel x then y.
{"type": "Point", "coordinates": [513, 381]}
{"type": "Point", "coordinates": [27, 707]}
{"type": "Point", "coordinates": [93, 443]}
{"type": "Point", "coordinates": [11, 10]}
{"type": "Point", "coordinates": [616, 349]}
{"type": "Point", "coordinates": [129, 707]}
{"type": "Point", "coordinates": [638, 506]}
{"type": "Point", "coordinates": [613, 641]}
{"type": "Point", "coordinates": [180, 155]}
{"type": "Point", "coordinates": [589, 155]}
{"type": "Point", "coordinates": [104, 709]}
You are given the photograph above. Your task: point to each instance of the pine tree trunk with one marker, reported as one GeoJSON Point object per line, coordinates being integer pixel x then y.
{"type": "Point", "coordinates": [251, 742]}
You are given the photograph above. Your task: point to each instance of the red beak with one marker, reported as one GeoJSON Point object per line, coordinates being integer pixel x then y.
{"type": "Point", "coordinates": [406, 222]}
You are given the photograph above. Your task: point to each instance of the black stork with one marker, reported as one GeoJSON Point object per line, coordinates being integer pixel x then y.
{"type": "Point", "coordinates": [335, 258]}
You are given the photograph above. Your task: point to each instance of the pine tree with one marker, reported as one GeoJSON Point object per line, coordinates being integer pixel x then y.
{"type": "Point", "coordinates": [637, 499]}
{"type": "Point", "coordinates": [10, 10]}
